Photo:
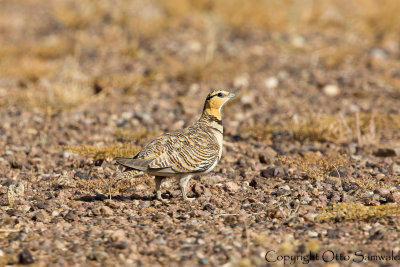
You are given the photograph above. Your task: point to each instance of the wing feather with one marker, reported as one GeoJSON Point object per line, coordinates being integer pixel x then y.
{"type": "Point", "coordinates": [190, 150]}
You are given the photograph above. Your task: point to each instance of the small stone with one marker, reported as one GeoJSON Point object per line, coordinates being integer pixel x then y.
{"type": "Point", "coordinates": [25, 257]}
{"type": "Point", "coordinates": [350, 186]}
{"type": "Point", "coordinates": [396, 168]}
{"type": "Point", "coordinates": [333, 233]}
{"type": "Point", "coordinates": [267, 156]}
{"type": "Point", "coordinates": [43, 205]}
{"type": "Point", "coordinates": [378, 53]}
{"type": "Point", "coordinates": [103, 211]}
{"type": "Point", "coordinates": [271, 82]}
{"type": "Point", "coordinates": [255, 182]}
{"type": "Point", "coordinates": [298, 41]}
{"type": "Point", "coordinates": [231, 187]}
{"type": "Point", "coordinates": [340, 172]}
{"type": "Point", "coordinates": [15, 164]}
{"type": "Point", "coordinates": [310, 216]}
{"type": "Point", "coordinates": [384, 192]}
{"type": "Point", "coordinates": [331, 90]}
{"type": "Point", "coordinates": [198, 189]}
{"type": "Point", "coordinates": [71, 216]}
{"type": "Point", "coordinates": [41, 216]}
{"type": "Point", "coordinates": [59, 245]}
{"type": "Point", "coordinates": [98, 256]}
{"type": "Point", "coordinates": [282, 190]}
{"type": "Point", "coordinates": [144, 204]}
{"type": "Point", "coordinates": [396, 197]}
{"type": "Point", "coordinates": [278, 214]}
{"type": "Point", "coordinates": [271, 172]}
{"type": "Point", "coordinates": [120, 245]}
{"type": "Point", "coordinates": [158, 217]}
{"type": "Point", "coordinates": [208, 207]}
{"type": "Point", "coordinates": [312, 234]}
{"type": "Point", "coordinates": [81, 175]}
{"type": "Point", "coordinates": [203, 261]}
{"type": "Point", "coordinates": [66, 154]}
{"type": "Point", "coordinates": [387, 152]}
{"type": "Point", "coordinates": [160, 241]}
{"type": "Point", "coordinates": [55, 213]}
{"type": "Point", "coordinates": [118, 235]}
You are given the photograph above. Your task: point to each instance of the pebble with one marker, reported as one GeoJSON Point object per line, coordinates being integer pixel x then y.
{"type": "Point", "coordinates": [71, 216]}
{"type": "Point", "coordinates": [273, 172]}
{"type": "Point", "coordinates": [382, 192]}
{"type": "Point", "coordinates": [198, 189]}
{"type": "Point", "coordinates": [144, 204]}
{"type": "Point", "coordinates": [267, 156]}
{"type": "Point", "coordinates": [297, 41]}
{"type": "Point", "coordinates": [98, 256]}
{"type": "Point", "coordinates": [387, 152]}
{"type": "Point", "coordinates": [231, 187]}
{"type": "Point", "coordinates": [350, 186]}
{"type": "Point", "coordinates": [25, 257]}
{"type": "Point", "coordinates": [340, 172]}
{"type": "Point", "coordinates": [208, 207]}
{"type": "Point", "coordinates": [378, 53]}
{"type": "Point", "coordinates": [331, 90]}
{"type": "Point", "coordinates": [333, 233]}
{"type": "Point", "coordinates": [310, 216]}
{"type": "Point", "coordinates": [312, 234]}
{"type": "Point", "coordinates": [41, 216]}
{"type": "Point", "coordinates": [118, 235]}
{"type": "Point", "coordinates": [271, 82]}
{"type": "Point", "coordinates": [103, 211]}
{"type": "Point", "coordinates": [282, 190]}
{"type": "Point", "coordinates": [81, 175]}
{"type": "Point", "coordinates": [256, 182]}
{"type": "Point", "coordinates": [396, 197]}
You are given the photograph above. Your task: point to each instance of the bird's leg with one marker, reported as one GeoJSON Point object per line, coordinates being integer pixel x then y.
{"type": "Point", "coordinates": [183, 183]}
{"type": "Point", "coordinates": [158, 180]}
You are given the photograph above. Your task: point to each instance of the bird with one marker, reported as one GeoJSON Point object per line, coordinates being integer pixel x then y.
{"type": "Point", "coordinates": [183, 153]}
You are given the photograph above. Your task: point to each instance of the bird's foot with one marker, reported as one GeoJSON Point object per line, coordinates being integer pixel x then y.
{"type": "Point", "coordinates": [190, 199]}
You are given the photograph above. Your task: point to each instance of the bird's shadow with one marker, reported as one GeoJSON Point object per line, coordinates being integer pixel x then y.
{"type": "Point", "coordinates": [102, 197]}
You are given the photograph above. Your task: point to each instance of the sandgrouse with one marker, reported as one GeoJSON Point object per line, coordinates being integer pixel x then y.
{"type": "Point", "coordinates": [183, 153]}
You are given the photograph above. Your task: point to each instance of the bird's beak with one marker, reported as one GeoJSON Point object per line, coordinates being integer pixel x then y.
{"type": "Point", "coordinates": [231, 95]}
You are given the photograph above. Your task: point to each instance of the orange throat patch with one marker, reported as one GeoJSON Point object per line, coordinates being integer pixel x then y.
{"type": "Point", "coordinates": [213, 111]}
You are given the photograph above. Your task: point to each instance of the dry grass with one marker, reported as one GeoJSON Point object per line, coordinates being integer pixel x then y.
{"type": "Point", "coordinates": [316, 127]}
{"type": "Point", "coordinates": [104, 152]}
{"type": "Point", "coordinates": [355, 211]}
{"type": "Point", "coordinates": [68, 87]}
{"type": "Point", "coordinates": [372, 184]}
{"type": "Point", "coordinates": [315, 165]}
{"type": "Point", "coordinates": [128, 29]}
{"type": "Point", "coordinates": [150, 17]}
{"type": "Point", "coordinates": [331, 128]}
{"type": "Point", "coordinates": [111, 186]}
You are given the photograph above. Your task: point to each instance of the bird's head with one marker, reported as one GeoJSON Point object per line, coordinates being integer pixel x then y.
{"type": "Point", "coordinates": [214, 102]}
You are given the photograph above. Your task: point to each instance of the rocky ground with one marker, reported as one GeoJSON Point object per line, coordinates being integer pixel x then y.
{"type": "Point", "coordinates": [311, 144]}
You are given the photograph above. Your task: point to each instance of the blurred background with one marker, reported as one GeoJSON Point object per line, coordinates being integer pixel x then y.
{"type": "Point", "coordinates": [59, 54]}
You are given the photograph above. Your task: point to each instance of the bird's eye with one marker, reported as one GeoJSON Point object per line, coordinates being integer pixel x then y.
{"type": "Point", "coordinates": [221, 95]}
